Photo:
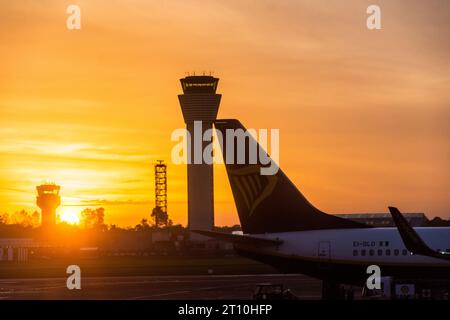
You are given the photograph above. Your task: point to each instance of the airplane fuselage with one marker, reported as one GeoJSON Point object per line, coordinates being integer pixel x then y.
{"type": "Point", "coordinates": [345, 254]}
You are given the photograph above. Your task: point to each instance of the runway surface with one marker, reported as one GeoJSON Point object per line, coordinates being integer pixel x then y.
{"type": "Point", "coordinates": [157, 287]}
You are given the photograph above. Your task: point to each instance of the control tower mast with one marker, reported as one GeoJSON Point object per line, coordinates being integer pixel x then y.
{"type": "Point", "coordinates": [199, 104]}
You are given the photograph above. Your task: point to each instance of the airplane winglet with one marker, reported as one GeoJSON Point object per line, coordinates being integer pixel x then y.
{"type": "Point", "coordinates": [413, 242]}
{"type": "Point", "coordinates": [240, 239]}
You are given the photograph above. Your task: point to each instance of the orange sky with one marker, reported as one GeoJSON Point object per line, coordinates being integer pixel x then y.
{"type": "Point", "coordinates": [363, 115]}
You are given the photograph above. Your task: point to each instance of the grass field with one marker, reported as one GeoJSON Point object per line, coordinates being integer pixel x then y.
{"type": "Point", "coordinates": [133, 266]}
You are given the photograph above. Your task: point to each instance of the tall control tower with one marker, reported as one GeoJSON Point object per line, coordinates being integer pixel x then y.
{"type": "Point", "coordinates": [199, 104]}
{"type": "Point", "coordinates": [48, 200]}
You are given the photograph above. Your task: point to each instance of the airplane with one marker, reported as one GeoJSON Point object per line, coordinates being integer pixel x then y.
{"type": "Point", "coordinates": [280, 227]}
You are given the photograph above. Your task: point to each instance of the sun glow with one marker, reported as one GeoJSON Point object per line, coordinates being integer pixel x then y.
{"type": "Point", "coordinates": [69, 215]}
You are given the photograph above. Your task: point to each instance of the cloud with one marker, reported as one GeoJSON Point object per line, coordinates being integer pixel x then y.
{"type": "Point", "coordinates": [104, 202]}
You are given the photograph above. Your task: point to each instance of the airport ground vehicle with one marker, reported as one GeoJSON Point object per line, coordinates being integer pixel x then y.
{"type": "Point", "coordinates": [408, 289]}
{"type": "Point", "coordinates": [269, 291]}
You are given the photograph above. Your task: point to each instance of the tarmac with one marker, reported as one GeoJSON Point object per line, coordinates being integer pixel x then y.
{"type": "Point", "coordinates": [205, 287]}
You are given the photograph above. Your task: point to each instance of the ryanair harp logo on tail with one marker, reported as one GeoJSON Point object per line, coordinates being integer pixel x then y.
{"type": "Point", "coordinates": [252, 186]}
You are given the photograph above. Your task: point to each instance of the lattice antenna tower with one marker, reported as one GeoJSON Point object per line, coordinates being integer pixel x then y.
{"type": "Point", "coordinates": [161, 185]}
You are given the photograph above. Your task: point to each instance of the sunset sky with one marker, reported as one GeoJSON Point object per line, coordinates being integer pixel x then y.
{"type": "Point", "coordinates": [363, 115]}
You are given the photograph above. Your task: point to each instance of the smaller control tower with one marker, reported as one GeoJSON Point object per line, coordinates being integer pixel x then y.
{"type": "Point", "coordinates": [48, 200]}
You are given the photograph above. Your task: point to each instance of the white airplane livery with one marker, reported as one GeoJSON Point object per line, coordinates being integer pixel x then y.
{"type": "Point", "coordinates": [281, 228]}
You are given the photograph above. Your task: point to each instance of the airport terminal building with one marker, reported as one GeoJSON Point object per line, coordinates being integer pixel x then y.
{"type": "Point", "coordinates": [385, 219]}
{"type": "Point", "coordinates": [15, 249]}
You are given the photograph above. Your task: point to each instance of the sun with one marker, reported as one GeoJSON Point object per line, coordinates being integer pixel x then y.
{"type": "Point", "coordinates": [69, 215]}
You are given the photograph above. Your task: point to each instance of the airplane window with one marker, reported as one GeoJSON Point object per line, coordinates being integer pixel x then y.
{"type": "Point", "coordinates": [363, 252]}
{"type": "Point", "coordinates": [380, 252]}
{"type": "Point", "coordinates": [371, 252]}
{"type": "Point", "coordinates": [404, 252]}
{"type": "Point", "coordinates": [355, 252]}
{"type": "Point", "coordinates": [388, 252]}
{"type": "Point", "coordinates": [396, 252]}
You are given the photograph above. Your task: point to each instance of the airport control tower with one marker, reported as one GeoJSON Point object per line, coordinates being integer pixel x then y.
{"type": "Point", "coordinates": [48, 200]}
{"type": "Point", "coordinates": [199, 104]}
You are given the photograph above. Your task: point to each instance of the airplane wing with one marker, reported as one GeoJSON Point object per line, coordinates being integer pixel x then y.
{"type": "Point", "coordinates": [412, 240]}
{"type": "Point", "coordinates": [240, 239]}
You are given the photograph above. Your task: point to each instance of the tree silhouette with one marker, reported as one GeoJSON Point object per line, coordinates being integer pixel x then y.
{"type": "Point", "coordinates": [4, 218]}
{"type": "Point", "coordinates": [160, 217]}
{"type": "Point", "coordinates": [93, 218]}
{"type": "Point", "coordinates": [144, 225]}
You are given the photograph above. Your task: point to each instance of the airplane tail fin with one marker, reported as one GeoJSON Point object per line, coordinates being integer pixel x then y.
{"type": "Point", "coordinates": [268, 203]}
